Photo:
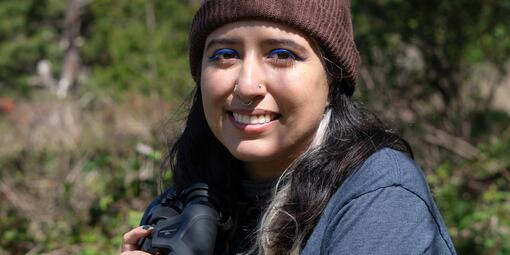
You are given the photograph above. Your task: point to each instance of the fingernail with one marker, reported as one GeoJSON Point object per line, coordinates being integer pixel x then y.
{"type": "Point", "coordinates": [147, 227]}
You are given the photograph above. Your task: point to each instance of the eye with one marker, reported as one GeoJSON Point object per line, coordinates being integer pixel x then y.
{"type": "Point", "coordinates": [224, 54]}
{"type": "Point", "coordinates": [283, 57]}
{"type": "Point", "coordinates": [283, 54]}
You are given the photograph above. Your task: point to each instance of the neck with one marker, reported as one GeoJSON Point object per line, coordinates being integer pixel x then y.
{"type": "Point", "coordinates": [265, 171]}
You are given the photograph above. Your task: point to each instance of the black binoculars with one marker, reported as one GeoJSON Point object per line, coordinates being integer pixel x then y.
{"type": "Point", "coordinates": [184, 224]}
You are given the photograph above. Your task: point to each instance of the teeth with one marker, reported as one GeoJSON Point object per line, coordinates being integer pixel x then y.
{"type": "Point", "coordinates": [253, 119]}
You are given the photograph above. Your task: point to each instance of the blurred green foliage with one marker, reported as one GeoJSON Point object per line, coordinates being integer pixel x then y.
{"type": "Point", "coordinates": [77, 172]}
{"type": "Point", "coordinates": [474, 198]}
{"type": "Point", "coordinates": [28, 33]}
{"type": "Point", "coordinates": [138, 45]}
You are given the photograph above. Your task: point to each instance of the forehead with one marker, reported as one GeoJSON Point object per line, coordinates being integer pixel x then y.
{"type": "Point", "coordinates": [253, 30]}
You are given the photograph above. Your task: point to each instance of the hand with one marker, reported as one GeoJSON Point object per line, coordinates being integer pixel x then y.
{"type": "Point", "coordinates": [130, 240]}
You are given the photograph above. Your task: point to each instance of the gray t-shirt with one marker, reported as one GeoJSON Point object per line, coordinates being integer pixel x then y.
{"type": "Point", "coordinates": [385, 207]}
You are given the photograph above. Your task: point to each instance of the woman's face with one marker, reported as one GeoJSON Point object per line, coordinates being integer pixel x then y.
{"type": "Point", "coordinates": [264, 91]}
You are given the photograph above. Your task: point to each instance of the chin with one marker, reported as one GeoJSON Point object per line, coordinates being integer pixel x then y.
{"type": "Point", "coordinates": [249, 156]}
{"type": "Point", "coordinates": [251, 153]}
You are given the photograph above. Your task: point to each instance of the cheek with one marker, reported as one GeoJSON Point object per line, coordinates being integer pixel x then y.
{"type": "Point", "coordinates": [216, 83]}
{"type": "Point", "coordinates": [214, 88]}
{"type": "Point", "coordinates": [304, 90]}
{"type": "Point", "coordinates": [215, 91]}
{"type": "Point", "coordinates": [212, 110]}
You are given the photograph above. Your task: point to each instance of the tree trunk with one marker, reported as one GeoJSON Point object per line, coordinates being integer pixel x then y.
{"type": "Point", "coordinates": [71, 63]}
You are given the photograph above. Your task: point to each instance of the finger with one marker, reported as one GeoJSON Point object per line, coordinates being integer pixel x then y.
{"type": "Point", "coordinates": [135, 253]}
{"type": "Point", "coordinates": [130, 239]}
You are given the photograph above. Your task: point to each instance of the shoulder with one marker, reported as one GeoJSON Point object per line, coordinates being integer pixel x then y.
{"type": "Point", "coordinates": [388, 220]}
{"type": "Point", "coordinates": [385, 205]}
{"type": "Point", "coordinates": [384, 168]}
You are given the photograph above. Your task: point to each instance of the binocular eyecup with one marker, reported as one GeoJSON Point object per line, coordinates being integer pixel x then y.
{"type": "Point", "coordinates": [185, 224]}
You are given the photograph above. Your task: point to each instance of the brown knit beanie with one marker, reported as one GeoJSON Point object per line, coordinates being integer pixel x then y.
{"type": "Point", "coordinates": [327, 21]}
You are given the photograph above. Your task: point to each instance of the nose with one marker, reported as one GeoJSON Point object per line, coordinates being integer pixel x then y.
{"type": "Point", "coordinates": [250, 86]}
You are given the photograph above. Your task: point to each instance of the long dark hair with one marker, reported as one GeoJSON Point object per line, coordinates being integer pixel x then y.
{"type": "Point", "coordinates": [351, 136]}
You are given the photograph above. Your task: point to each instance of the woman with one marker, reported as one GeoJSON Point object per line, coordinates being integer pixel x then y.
{"type": "Point", "coordinates": [298, 166]}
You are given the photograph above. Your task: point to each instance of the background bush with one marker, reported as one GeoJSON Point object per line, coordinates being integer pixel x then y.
{"type": "Point", "coordinates": [79, 163]}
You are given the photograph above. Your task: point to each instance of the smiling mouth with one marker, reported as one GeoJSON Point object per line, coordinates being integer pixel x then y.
{"type": "Point", "coordinates": [254, 119]}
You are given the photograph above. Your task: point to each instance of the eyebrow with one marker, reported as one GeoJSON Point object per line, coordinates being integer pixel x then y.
{"type": "Point", "coordinates": [222, 41]}
{"type": "Point", "coordinates": [270, 41]}
{"type": "Point", "coordinates": [280, 42]}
